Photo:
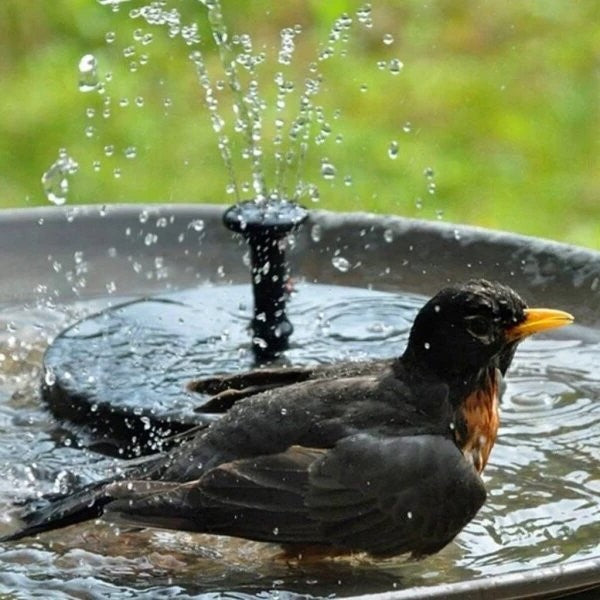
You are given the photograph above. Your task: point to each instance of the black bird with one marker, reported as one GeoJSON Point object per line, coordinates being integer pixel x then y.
{"type": "Point", "coordinates": [385, 461]}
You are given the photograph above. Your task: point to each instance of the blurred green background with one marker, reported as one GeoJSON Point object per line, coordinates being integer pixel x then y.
{"type": "Point", "coordinates": [495, 112]}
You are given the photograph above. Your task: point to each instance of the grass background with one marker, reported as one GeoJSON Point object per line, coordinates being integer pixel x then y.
{"type": "Point", "coordinates": [500, 100]}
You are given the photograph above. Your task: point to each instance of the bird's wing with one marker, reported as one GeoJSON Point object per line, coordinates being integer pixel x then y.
{"type": "Point", "coordinates": [413, 494]}
{"type": "Point", "coordinates": [258, 498]}
{"type": "Point", "coordinates": [384, 496]}
{"type": "Point", "coordinates": [226, 390]}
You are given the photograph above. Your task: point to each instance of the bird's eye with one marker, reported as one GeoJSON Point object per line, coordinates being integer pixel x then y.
{"type": "Point", "coordinates": [479, 327]}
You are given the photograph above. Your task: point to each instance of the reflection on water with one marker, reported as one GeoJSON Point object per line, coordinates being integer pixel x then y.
{"type": "Point", "coordinates": [543, 478]}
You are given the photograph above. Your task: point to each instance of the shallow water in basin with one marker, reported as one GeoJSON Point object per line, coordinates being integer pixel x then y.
{"type": "Point", "coordinates": [543, 478]}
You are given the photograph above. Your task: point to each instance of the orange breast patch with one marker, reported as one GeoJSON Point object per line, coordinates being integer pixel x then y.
{"type": "Point", "coordinates": [481, 417]}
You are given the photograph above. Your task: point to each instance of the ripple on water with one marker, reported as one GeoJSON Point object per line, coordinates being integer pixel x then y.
{"type": "Point", "coordinates": [543, 477]}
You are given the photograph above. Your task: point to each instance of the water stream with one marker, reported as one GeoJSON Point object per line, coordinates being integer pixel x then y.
{"type": "Point", "coordinates": [274, 129]}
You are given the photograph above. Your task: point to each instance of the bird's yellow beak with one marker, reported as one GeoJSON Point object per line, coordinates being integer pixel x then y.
{"type": "Point", "coordinates": [538, 319]}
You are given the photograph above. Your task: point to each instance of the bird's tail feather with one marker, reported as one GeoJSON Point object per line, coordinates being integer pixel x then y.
{"type": "Point", "coordinates": [75, 508]}
{"type": "Point", "coordinates": [88, 503]}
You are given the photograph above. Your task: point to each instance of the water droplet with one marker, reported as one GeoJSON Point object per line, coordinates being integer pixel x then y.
{"type": "Point", "coordinates": [340, 263]}
{"type": "Point", "coordinates": [456, 234]}
{"type": "Point", "coordinates": [395, 66]}
{"type": "Point", "coordinates": [110, 37]}
{"type": "Point", "coordinates": [429, 172]}
{"type": "Point", "coordinates": [393, 150]}
{"type": "Point", "coordinates": [427, 345]}
{"type": "Point", "coordinates": [257, 341]}
{"type": "Point", "coordinates": [313, 193]}
{"type": "Point", "coordinates": [407, 127]}
{"type": "Point", "coordinates": [130, 152]}
{"type": "Point", "coordinates": [196, 225]}
{"type": "Point", "coordinates": [150, 238]}
{"type": "Point", "coordinates": [388, 235]}
{"type": "Point", "coordinates": [363, 14]}
{"type": "Point", "coordinates": [109, 150]}
{"type": "Point", "coordinates": [55, 180]}
{"type": "Point", "coordinates": [328, 170]}
{"type": "Point", "coordinates": [388, 39]}
{"type": "Point", "coordinates": [49, 377]}
{"type": "Point", "coordinates": [88, 73]}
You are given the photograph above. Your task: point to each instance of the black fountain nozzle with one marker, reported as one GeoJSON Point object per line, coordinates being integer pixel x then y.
{"type": "Point", "coordinates": [264, 224]}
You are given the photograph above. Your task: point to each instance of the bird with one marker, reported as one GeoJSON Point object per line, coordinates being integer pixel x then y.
{"type": "Point", "coordinates": [383, 461]}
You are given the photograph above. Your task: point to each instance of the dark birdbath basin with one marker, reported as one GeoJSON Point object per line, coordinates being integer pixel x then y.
{"type": "Point", "coordinates": [537, 534]}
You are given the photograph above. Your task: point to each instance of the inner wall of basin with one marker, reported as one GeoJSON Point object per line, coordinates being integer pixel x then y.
{"type": "Point", "coordinates": [132, 251]}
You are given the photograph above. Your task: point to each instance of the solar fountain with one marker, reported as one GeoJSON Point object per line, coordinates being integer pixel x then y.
{"type": "Point", "coordinates": [115, 370]}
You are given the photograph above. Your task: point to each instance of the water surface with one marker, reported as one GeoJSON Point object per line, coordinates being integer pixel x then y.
{"type": "Point", "coordinates": [543, 478]}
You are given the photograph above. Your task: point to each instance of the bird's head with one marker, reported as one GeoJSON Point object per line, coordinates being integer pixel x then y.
{"type": "Point", "coordinates": [466, 328]}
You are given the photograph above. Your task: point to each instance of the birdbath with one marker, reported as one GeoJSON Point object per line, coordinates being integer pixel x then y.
{"type": "Point", "coordinates": [358, 312]}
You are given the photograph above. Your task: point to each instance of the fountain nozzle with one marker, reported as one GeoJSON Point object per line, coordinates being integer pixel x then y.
{"type": "Point", "coordinates": [265, 224]}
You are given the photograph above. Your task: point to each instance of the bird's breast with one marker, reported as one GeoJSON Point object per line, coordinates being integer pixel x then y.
{"type": "Point", "coordinates": [479, 416]}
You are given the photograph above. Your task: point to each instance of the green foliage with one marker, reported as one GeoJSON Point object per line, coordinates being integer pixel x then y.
{"type": "Point", "coordinates": [499, 99]}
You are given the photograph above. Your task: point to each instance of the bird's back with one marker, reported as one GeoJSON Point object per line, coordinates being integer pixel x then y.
{"type": "Point", "coordinates": [314, 414]}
